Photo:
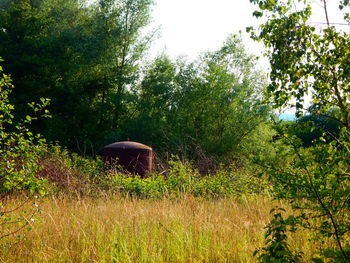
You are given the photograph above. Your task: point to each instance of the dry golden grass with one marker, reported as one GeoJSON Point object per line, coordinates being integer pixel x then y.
{"type": "Point", "coordinates": [116, 229]}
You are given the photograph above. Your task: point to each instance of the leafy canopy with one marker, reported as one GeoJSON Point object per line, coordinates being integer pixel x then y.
{"type": "Point", "coordinates": [311, 60]}
{"type": "Point", "coordinates": [307, 59]}
{"type": "Point", "coordinates": [83, 55]}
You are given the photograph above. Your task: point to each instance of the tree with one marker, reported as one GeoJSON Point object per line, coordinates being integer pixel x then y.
{"type": "Point", "coordinates": [207, 108]}
{"type": "Point", "coordinates": [305, 60]}
{"type": "Point", "coordinates": [82, 55]}
{"type": "Point", "coordinates": [310, 127]}
{"type": "Point", "coordinates": [310, 61]}
{"type": "Point", "coordinates": [155, 115]}
{"type": "Point", "coordinates": [227, 98]}
{"type": "Point", "coordinates": [20, 151]}
{"type": "Point", "coordinates": [122, 22]}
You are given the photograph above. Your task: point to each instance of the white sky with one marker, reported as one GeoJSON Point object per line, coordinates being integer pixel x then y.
{"type": "Point", "coordinates": [190, 27]}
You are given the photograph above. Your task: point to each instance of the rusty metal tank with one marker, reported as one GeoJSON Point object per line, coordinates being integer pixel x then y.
{"type": "Point", "coordinates": [134, 157]}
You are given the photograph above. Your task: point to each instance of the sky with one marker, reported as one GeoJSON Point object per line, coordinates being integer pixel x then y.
{"type": "Point", "coordinates": [190, 27]}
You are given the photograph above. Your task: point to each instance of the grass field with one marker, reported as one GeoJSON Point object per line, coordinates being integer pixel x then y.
{"type": "Point", "coordinates": [116, 229]}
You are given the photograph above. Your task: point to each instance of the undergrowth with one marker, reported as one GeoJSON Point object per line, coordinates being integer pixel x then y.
{"type": "Point", "coordinates": [72, 174]}
{"type": "Point", "coordinates": [183, 179]}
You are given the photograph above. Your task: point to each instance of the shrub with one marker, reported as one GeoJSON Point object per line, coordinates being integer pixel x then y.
{"type": "Point", "coordinates": [182, 179]}
{"type": "Point", "coordinates": [277, 248]}
{"type": "Point", "coordinates": [68, 172]}
{"type": "Point", "coordinates": [20, 151]}
{"type": "Point", "coordinates": [316, 183]}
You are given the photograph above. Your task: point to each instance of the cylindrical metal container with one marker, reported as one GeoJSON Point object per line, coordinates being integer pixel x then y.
{"type": "Point", "coordinates": [132, 156]}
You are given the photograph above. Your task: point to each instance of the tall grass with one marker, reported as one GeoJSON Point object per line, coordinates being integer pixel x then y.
{"type": "Point", "coordinates": [119, 229]}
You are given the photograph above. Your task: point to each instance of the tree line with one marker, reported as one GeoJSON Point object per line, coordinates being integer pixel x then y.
{"type": "Point", "coordinates": [90, 60]}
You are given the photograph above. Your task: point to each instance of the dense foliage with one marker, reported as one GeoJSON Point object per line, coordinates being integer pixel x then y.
{"type": "Point", "coordinates": [81, 55]}
{"type": "Point", "coordinates": [20, 149]}
{"type": "Point", "coordinates": [20, 152]}
{"type": "Point", "coordinates": [182, 179]}
{"type": "Point", "coordinates": [310, 61]}
{"type": "Point", "coordinates": [207, 108]}
{"type": "Point", "coordinates": [89, 57]}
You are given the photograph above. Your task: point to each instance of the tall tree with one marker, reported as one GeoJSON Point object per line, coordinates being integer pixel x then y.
{"type": "Point", "coordinates": [122, 22]}
{"type": "Point", "coordinates": [312, 60]}
{"type": "Point", "coordinates": [206, 107]}
{"type": "Point", "coordinates": [81, 55]}
{"type": "Point", "coordinates": [307, 59]}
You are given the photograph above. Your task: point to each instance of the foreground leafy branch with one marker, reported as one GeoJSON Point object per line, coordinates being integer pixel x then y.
{"type": "Point", "coordinates": [20, 151]}
{"type": "Point", "coordinates": [312, 62]}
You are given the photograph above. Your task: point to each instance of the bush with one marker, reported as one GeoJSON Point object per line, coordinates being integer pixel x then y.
{"type": "Point", "coordinates": [183, 179]}
{"type": "Point", "coordinates": [19, 148]}
{"type": "Point", "coordinates": [316, 183]}
{"type": "Point", "coordinates": [68, 172]}
{"type": "Point", "coordinates": [20, 151]}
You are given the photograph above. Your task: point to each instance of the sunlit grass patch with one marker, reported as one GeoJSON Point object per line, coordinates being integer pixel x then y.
{"type": "Point", "coordinates": [119, 229]}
